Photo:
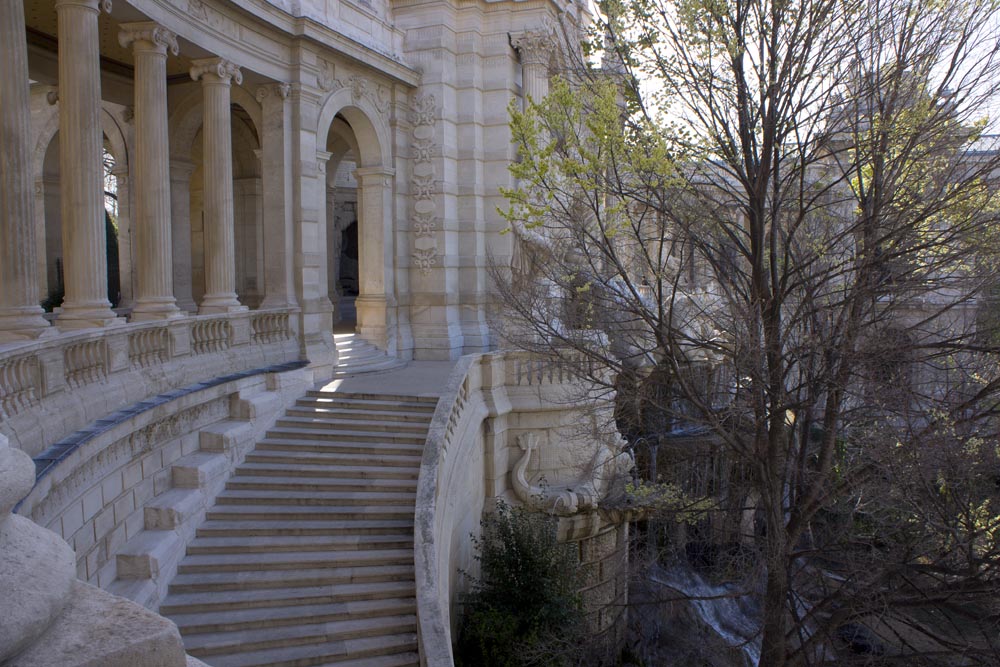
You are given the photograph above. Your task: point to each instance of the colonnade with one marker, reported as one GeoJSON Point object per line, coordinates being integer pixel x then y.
{"type": "Point", "coordinates": [82, 192]}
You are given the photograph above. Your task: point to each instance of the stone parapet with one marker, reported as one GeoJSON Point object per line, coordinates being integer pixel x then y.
{"type": "Point", "coordinates": [52, 387]}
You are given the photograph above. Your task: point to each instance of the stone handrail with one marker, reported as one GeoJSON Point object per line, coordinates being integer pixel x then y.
{"type": "Point", "coordinates": [434, 631]}
{"type": "Point", "coordinates": [78, 376]}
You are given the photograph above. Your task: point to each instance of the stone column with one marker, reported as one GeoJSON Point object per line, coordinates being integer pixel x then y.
{"type": "Point", "coordinates": [180, 232]}
{"type": "Point", "coordinates": [152, 170]}
{"type": "Point", "coordinates": [322, 160]}
{"type": "Point", "coordinates": [80, 167]}
{"type": "Point", "coordinates": [216, 75]}
{"type": "Point", "coordinates": [276, 182]}
{"type": "Point", "coordinates": [374, 254]}
{"type": "Point", "coordinates": [536, 50]}
{"type": "Point", "coordinates": [20, 314]}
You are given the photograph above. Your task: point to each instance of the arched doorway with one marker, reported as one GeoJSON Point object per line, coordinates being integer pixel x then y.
{"type": "Point", "coordinates": [357, 195]}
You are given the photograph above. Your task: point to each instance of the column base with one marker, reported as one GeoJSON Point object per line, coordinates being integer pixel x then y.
{"type": "Point", "coordinates": [26, 323]}
{"type": "Point", "coordinates": [163, 308]}
{"type": "Point", "coordinates": [277, 302]}
{"type": "Point", "coordinates": [187, 304]}
{"type": "Point", "coordinates": [213, 304]}
{"type": "Point", "coordinates": [372, 325]}
{"type": "Point", "coordinates": [88, 316]}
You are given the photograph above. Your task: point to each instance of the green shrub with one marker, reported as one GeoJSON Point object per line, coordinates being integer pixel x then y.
{"type": "Point", "coordinates": [523, 608]}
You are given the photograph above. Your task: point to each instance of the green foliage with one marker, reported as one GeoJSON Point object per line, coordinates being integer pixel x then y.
{"type": "Point", "coordinates": [523, 608]}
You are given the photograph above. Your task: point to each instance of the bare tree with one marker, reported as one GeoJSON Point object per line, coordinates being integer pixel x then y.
{"type": "Point", "coordinates": [772, 228]}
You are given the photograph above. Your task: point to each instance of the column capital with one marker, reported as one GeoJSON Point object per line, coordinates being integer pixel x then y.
{"type": "Point", "coordinates": [216, 70]}
{"type": "Point", "coordinates": [279, 90]}
{"type": "Point", "coordinates": [372, 175]}
{"type": "Point", "coordinates": [93, 5]}
{"type": "Point", "coordinates": [535, 46]}
{"type": "Point", "coordinates": [146, 35]}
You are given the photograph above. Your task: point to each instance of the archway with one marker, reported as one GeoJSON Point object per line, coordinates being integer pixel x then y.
{"type": "Point", "coordinates": [357, 189]}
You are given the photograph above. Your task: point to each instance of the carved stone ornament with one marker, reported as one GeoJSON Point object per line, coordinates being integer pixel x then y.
{"type": "Point", "coordinates": [423, 110]}
{"type": "Point", "coordinates": [535, 46]}
{"type": "Point", "coordinates": [281, 90]}
{"type": "Point", "coordinates": [326, 80]}
{"type": "Point", "coordinates": [196, 8]}
{"type": "Point", "coordinates": [423, 114]}
{"type": "Point", "coordinates": [148, 32]}
{"type": "Point", "coordinates": [218, 67]}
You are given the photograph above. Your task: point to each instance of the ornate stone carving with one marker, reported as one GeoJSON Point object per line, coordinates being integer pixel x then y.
{"type": "Point", "coordinates": [149, 32]}
{"type": "Point", "coordinates": [359, 87]}
{"type": "Point", "coordinates": [535, 46]}
{"type": "Point", "coordinates": [423, 112]}
{"type": "Point", "coordinates": [326, 79]}
{"type": "Point", "coordinates": [196, 8]}
{"type": "Point", "coordinates": [220, 67]}
{"type": "Point", "coordinates": [282, 90]}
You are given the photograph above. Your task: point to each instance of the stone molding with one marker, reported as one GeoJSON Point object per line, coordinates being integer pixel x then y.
{"type": "Point", "coordinates": [282, 90]}
{"type": "Point", "coordinates": [159, 37]}
{"type": "Point", "coordinates": [224, 70]}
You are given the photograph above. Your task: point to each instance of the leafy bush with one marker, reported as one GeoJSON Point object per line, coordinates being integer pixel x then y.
{"type": "Point", "coordinates": [523, 608]}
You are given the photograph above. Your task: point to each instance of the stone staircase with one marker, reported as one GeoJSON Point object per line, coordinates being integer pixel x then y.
{"type": "Point", "coordinates": [306, 559]}
{"type": "Point", "coordinates": [355, 355]}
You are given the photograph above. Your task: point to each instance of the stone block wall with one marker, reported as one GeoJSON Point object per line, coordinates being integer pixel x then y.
{"type": "Point", "coordinates": [129, 500]}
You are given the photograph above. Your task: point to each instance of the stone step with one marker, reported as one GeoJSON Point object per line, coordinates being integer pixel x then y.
{"type": "Point", "coordinates": [380, 398]}
{"type": "Point", "coordinates": [309, 614]}
{"type": "Point", "coordinates": [197, 582]}
{"type": "Point", "coordinates": [192, 603]}
{"type": "Point", "coordinates": [257, 528]}
{"type": "Point", "coordinates": [294, 442]}
{"type": "Point", "coordinates": [244, 482]}
{"type": "Point", "coordinates": [296, 470]}
{"type": "Point", "coordinates": [360, 415]}
{"type": "Point", "coordinates": [387, 365]}
{"type": "Point", "coordinates": [361, 652]}
{"type": "Point", "coordinates": [292, 560]}
{"type": "Point", "coordinates": [309, 513]}
{"type": "Point", "coordinates": [329, 458]}
{"type": "Point", "coordinates": [318, 421]}
{"type": "Point", "coordinates": [243, 641]}
{"type": "Point", "coordinates": [342, 499]}
{"type": "Point", "coordinates": [343, 435]}
{"type": "Point", "coordinates": [277, 543]}
{"type": "Point", "coordinates": [413, 404]}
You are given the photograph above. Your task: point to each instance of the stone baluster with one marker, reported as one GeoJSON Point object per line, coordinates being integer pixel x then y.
{"type": "Point", "coordinates": [20, 314]}
{"type": "Point", "coordinates": [216, 76]}
{"type": "Point", "coordinates": [149, 43]}
{"type": "Point", "coordinates": [276, 142]}
{"type": "Point", "coordinates": [80, 164]}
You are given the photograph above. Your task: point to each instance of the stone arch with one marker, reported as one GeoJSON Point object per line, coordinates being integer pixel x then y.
{"type": "Point", "coordinates": [354, 121]}
{"type": "Point", "coordinates": [45, 165]}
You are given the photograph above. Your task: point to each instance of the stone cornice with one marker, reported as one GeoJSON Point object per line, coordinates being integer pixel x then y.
{"type": "Point", "coordinates": [147, 31]}
{"type": "Point", "coordinates": [219, 68]}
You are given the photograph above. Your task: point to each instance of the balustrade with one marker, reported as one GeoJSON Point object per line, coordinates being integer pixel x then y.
{"type": "Point", "coordinates": [39, 374]}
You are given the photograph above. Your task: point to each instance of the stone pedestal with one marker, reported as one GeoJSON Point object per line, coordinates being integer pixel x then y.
{"type": "Point", "coordinates": [216, 76]}
{"type": "Point", "coordinates": [152, 170]}
{"type": "Point", "coordinates": [80, 163]}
